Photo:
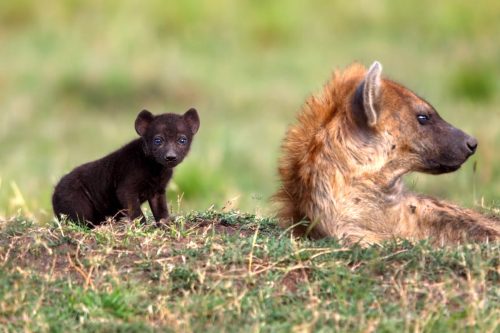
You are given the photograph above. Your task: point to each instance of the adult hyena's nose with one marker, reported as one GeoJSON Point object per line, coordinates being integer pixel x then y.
{"type": "Point", "coordinates": [471, 144]}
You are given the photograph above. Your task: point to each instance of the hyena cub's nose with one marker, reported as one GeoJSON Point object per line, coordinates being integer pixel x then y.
{"type": "Point", "coordinates": [170, 158]}
{"type": "Point", "coordinates": [471, 144]}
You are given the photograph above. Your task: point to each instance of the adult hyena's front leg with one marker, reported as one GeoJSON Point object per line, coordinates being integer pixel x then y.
{"type": "Point", "coordinates": [446, 223]}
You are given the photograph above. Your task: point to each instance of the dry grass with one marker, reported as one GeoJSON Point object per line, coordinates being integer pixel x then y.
{"type": "Point", "coordinates": [229, 271]}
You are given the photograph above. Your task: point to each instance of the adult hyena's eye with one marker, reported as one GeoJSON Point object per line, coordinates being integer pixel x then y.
{"type": "Point", "coordinates": [423, 119]}
{"type": "Point", "coordinates": [157, 141]}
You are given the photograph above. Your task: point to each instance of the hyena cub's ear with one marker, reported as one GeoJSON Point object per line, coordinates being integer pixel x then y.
{"type": "Point", "coordinates": [191, 117]}
{"type": "Point", "coordinates": [369, 93]}
{"type": "Point", "coordinates": [144, 118]}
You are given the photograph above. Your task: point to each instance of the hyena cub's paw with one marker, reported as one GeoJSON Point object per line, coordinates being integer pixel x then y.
{"type": "Point", "coordinates": [164, 223]}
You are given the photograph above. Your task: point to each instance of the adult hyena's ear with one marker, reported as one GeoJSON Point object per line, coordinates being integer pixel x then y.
{"type": "Point", "coordinates": [368, 93]}
{"type": "Point", "coordinates": [144, 118]}
{"type": "Point", "coordinates": [193, 120]}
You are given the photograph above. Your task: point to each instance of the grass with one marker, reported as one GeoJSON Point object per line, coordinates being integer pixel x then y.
{"type": "Point", "coordinates": [227, 271]}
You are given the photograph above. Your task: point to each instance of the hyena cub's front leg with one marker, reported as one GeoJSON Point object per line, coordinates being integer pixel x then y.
{"type": "Point", "coordinates": [446, 223]}
{"type": "Point", "coordinates": [158, 204]}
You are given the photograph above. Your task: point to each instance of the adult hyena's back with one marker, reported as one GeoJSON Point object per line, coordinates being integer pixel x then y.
{"type": "Point", "coordinates": [423, 217]}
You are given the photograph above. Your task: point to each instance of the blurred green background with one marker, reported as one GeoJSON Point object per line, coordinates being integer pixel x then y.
{"type": "Point", "coordinates": [75, 73]}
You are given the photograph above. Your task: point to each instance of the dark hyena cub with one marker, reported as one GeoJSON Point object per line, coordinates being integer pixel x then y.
{"type": "Point", "coordinates": [117, 184]}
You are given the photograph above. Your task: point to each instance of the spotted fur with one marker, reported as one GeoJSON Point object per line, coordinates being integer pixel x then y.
{"type": "Point", "coordinates": [342, 165]}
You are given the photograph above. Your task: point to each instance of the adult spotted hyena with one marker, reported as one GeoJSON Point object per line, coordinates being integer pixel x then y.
{"type": "Point", "coordinates": [343, 161]}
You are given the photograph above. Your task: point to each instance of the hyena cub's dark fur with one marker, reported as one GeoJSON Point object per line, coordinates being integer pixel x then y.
{"type": "Point", "coordinates": [117, 184]}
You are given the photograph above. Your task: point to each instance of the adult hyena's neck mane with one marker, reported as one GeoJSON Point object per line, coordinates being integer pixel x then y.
{"type": "Point", "coordinates": [332, 107]}
{"type": "Point", "coordinates": [324, 154]}
{"type": "Point", "coordinates": [328, 131]}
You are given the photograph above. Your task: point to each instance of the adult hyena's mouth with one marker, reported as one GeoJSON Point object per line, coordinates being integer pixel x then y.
{"type": "Point", "coordinates": [436, 168]}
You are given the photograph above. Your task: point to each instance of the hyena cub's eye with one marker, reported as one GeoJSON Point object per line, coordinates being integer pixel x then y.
{"type": "Point", "coordinates": [423, 119]}
{"type": "Point", "coordinates": [182, 140]}
{"type": "Point", "coordinates": [157, 141]}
